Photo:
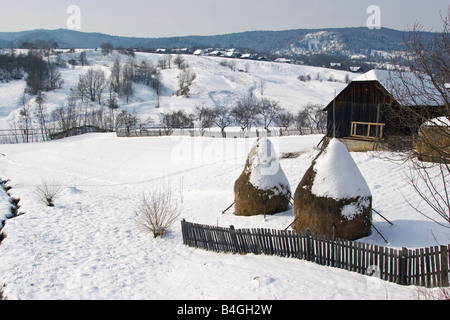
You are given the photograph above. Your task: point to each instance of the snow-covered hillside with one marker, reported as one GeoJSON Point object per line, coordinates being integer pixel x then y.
{"type": "Point", "coordinates": [215, 85]}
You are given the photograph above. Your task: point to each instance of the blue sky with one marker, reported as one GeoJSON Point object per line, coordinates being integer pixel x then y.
{"type": "Point", "coordinates": [151, 18]}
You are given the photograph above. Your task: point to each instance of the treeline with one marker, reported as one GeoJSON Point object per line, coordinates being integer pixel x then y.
{"type": "Point", "coordinates": [248, 112]}
{"type": "Point", "coordinates": [41, 75]}
{"type": "Point", "coordinates": [95, 84]}
{"type": "Point", "coordinates": [325, 60]}
{"type": "Point", "coordinates": [94, 100]}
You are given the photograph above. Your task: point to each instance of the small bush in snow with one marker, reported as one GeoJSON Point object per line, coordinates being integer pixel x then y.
{"type": "Point", "coordinates": [47, 193]}
{"type": "Point", "coordinates": [157, 211]}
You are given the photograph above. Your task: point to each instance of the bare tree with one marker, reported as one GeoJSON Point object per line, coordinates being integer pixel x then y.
{"type": "Point", "coordinates": [41, 115]}
{"type": "Point", "coordinates": [25, 122]}
{"type": "Point", "coordinates": [268, 109]}
{"type": "Point", "coordinates": [158, 211]}
{"type": "Point", "coordinates": [55, 80]}
{"type": "Point", "coordinates": [285, 119]}
{"type": "Point", "coordinates": [302, 120]}
{"type": "Point", "coordinates": [423, 95]}
{"type": "Point", "coordinates": [126, 120]}
{"type": "Point", "coordinates": [262, 87]}
{"type": "Point", "coordinates": [92, 85]}
{"type": "Point", "coordinates": [169, 59]}
{"type": "Point", "coordinates": [82, 58]}
{"type": "Point", "coordinates": [185, 79]}
{"type": "Point", "coordinates": [317, 117]}
{"type": "Point", "coordinates": [127, 89]}
{"type": "Point", "coordinates": [157, 85]}
{"type": "Point", "coordinates": [245, 112]}
{"type": "Point", "coordinates": [177, 120]}
{"type": "Point", "coordinates": [179, 61]}
{"type": "Point", "coordinates": [162, 63]}
{"type": "Point", "coordinates": [206, 117]}
{"type": "Point", "coordinates": [222, 118]}
{"type": "Point", "coordinates": [66, 116]}
{"type": "Point", "coordinates": [116, 71]}
{"type": "Point", "coordinates": [107, 48]}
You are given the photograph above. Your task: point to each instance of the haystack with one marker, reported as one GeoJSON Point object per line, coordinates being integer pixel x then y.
{"type": "Point", "coordinates": [263, 187]}
{"type": "Point", "coordinates": [333, 199]}
{"type": "Point", "coordinates": [434, 141]}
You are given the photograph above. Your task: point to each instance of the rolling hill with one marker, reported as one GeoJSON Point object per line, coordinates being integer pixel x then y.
{"type": "Point", "coordinates": [341, 41]}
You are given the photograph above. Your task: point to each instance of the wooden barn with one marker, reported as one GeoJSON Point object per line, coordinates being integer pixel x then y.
{"type": "Point", "coordinates": [366, 115]}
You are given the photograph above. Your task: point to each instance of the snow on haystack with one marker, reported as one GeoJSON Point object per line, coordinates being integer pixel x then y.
{"type": "Point", "coordinates": [333, 198]}
{"type": "Point", "coordinates": [263, 187]}
{"type": "Point", "coordinates": [337, 175]}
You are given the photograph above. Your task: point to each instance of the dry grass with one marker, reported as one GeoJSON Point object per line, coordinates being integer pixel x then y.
{"type": "Point", "coordinates": [252, 201]}
{"type": "Point", "coordinates": [440, 293]}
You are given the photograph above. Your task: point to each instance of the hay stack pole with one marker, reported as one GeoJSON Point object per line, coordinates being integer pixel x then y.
{"type": "Point", "coordinates": [333, 199]}
{"type": "Point", "coordinates": [263, 188]}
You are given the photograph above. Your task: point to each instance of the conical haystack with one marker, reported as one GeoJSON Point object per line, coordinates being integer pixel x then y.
{"type": "Point", "coordinates": [263, 187]}
{"type": "Point", "coordinates": [333, 199]}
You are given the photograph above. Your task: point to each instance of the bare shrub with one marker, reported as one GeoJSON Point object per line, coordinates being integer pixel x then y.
{"type": "Point", "coordinates": [158, 211]}
{"type": "Point", "coordinates": [440, 293]}
{"type": "Point", "coordinates": [47, 193]}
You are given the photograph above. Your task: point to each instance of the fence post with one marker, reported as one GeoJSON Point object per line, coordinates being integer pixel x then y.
{"type": "Point", "coordinates": [402, 269]}
{"type": "Point", "coordinates": [444, 267]}
{"type": "Point", "coordinates": [183, 231]}
{"type": "Point", "coordinates": [234, 239]}
{"type": "Point", "coordinates": [309, 249]}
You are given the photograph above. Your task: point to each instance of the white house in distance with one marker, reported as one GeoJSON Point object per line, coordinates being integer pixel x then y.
{"type": "Point", "coordinates": [198, 52]}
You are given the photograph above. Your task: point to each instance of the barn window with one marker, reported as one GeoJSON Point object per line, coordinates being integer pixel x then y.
{"type": "Point", "coordinates": [367, 130]}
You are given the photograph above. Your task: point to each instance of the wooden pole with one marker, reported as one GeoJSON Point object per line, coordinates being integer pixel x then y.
{"type": "Point", "coordinates": [228, 208]}
{"type": "Point", "coordinates": [379, 233]}
{"type": "Point", "coordinates": [382, 216]}
{"type": "Point", "coordinates": [334, 115]}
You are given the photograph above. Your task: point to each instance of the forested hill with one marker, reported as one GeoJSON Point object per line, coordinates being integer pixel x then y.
{"type": "Point", "coordinates": [342, 41]}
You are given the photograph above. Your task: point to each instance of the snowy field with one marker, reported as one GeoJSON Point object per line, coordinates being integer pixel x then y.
{"type": "Point", "coordinates": [90, 247]}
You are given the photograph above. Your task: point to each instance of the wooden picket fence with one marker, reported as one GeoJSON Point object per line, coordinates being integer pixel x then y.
{"type": "Point", "coordinates": [427, 267]}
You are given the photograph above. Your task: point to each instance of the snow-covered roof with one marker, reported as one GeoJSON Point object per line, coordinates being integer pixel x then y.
{"type": "Point", "coordinates": [406, 87]}
{"type": "Point", "coordinates": [374, 75]}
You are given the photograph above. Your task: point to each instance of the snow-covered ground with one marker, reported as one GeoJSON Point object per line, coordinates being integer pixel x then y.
{"type": "Point", "coordinates": [90, 247]}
